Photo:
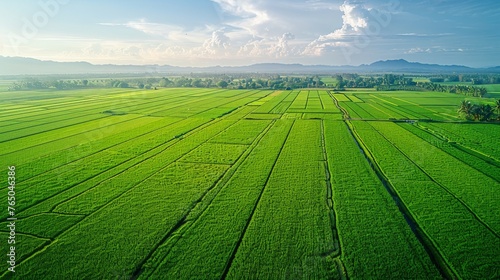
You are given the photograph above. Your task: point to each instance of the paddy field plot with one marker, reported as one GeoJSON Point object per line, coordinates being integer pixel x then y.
{"type": "Point", "coordinates": [249, 184]}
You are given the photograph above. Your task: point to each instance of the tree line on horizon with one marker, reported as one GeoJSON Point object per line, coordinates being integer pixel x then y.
{"type": "Point", "coordinates": [385, 82]}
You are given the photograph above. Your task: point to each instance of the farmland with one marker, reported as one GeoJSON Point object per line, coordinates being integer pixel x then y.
{"type": "Point", "coordinates": [191, 183]}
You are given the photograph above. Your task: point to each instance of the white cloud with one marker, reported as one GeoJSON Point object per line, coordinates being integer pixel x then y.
{"type": "Point", "coordinates": [360, 24]}
{"type": "Point", "coordinates": [355, 20]}
{"type": "Point", "coordinates": [282, 47]}
{"type": "Point", "coordinates": [418, 50]}
{"type": "Point", "coordinates": [433, 49]}
{"type": "Point", "coordinates": [217, 44]}
{"type": "Point", "coordinates": [252, 15]}
{"type": "Point", "coordinates": [172, 33]}
{"type": "Point", "coordinates": [274, 47]}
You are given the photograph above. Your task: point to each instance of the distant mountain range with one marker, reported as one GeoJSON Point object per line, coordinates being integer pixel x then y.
{"type": "Point", "coordinates": [30, 66]}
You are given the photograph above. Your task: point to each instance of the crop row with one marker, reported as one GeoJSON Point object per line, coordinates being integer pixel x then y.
{"type": "Point", "coordinates": [76, 131]}
{"type": "Point", "coordinates": [194, 107]}
{"type": "Point", "coordinates": [67, 150]}
{"type": "Point", "coordinates": [376, 241]}
{"type": "Point", "coordinates": [354, 110]}
{"type": "Point", "coordinates": [479, 163]}
{"type": "Point", "coordinates": [283, 106]}
{"type": "Point", "coordinates": [314, 102]}
{"type": "Point", "coordinates": [290, 235]}
{"type": "Point", "coordinates": [480, 137]}
{"type": "Point", "coordinates": [243, 133]}
{"type": "Point", "coordinates": [157, 204]}
{"type": "Point", "coordinates": [468, 249]}
{"type": "Point", "coordinates": [458, 177]}
{"type": "Point", "coordinates": [299, 103]}
{"type": "Point", "coordinates": [58, 180]}
{"type": "Point", "coordinates": [88, 105]}
{"type": "Point", "coordinates": [270, 104]}
{"type": "Point", "coordinates": [354, 98]}
{"type": "Point", "coordinates": [98, 195]}
{"type": "Point", "coordinates": [208, 243]}
{"type": "Point", "coordinates": [327, 102]}
{"type": "Point", "coordinates": [104, 135]}
{"type": "Point", "coordinates": [341, 97]}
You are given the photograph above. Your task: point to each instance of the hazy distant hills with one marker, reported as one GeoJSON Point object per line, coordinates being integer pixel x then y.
{"type": "Point", "coordinates": [30, 66]}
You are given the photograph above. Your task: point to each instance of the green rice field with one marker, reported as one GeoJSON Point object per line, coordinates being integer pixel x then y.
{"type": "Point", "coordinates": [212, 183]}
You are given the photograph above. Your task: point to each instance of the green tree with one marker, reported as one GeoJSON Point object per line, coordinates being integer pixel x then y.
{"type": "Point", "coordinates": [164, 82]}
{"type": "Point", "coordinates": [222, 84]}
{"type": "Point", "coordinates": [486, 112]}
{"type": "Point", "coordinates": [465, 108]}
{"type": "Point", "coordinates": [197, 83]}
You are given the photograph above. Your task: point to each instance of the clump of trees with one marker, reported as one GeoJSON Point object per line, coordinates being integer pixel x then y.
{"type": "Point", "coordinates": [475, 79]}
{"type": "Point", "coordinates": [458, 89]}
{"type": "Point", "coordinates": [59, 84]}
{"type": "Point", "coordinates": [32, 83]}
{"type": "Point", "coordinates": [479, 112]}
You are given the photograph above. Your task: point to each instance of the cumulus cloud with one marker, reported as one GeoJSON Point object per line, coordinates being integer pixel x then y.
{"type": "Point", "coordinates": [282, 47]}
{"type": "Point", "coordinates": [358, 21]}
{"type": "Point", "coordinates": [274, 47]}
{"type": "Point", "coordinates": [355, 20]}
{"type": "Point", "coordinates": [219, 42]}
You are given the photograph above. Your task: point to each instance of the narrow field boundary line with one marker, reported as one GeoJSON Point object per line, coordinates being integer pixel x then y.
{"type": "Point", "coordinates": [430, 246]}
{"type": "Point", "coordinates": [181, 102]}
{"type": "Point", "coordinates": [337, 245]}
{"type": "Point", "coordinates": [31, 255]}
{"type": "Point", "coordinates": [460, 146]}
{"type": "Point", "coordinates": [213, 192]}
{"type": "Point", "coordinates": [275, 106]}
{"type": "Point", "coordinates": [102, 150]}
{"type": "Point", "coordinates": [433, 251]}
{"type": "Point", "coordinates": [458, 149]}
{"type": "Point", "coordinates": [93, 109]}
{"type": "Point", "coordinates": [321, 100]}
{"type": "Point", "coordinates": [400, 111]}
{"type": "Point", "coordinates": [152, 131]}
{"type": "Point", "coordinates": [175, 161]}
{"type": "Point", "coordinates": [179, 223]}
{"type": "Point", "coordinates": [167, 144]}
{"type": "Point", "coordinates": [243, 232]}
{"type": "Point", "coordinates": [72, 135]}
{"type": "Point", "coordinates": [31, 235]}
{"type": "Point", "coordinates": [463, 203]}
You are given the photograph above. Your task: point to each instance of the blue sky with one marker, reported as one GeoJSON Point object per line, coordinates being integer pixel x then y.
{"type": "Point", "coordinates": [242, 32]}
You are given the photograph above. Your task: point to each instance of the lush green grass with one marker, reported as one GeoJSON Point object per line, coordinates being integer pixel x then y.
{"type": "Point", "coordinates": [442, 214]}
{"type": "Point", "coordinates": [291, 210]}
{"type": "Point", "coordinates": [209, 239]}
{"type": "Point", "coordinates": [209, 183]}
{"type": "Point", "coordinates": [367, 217]}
